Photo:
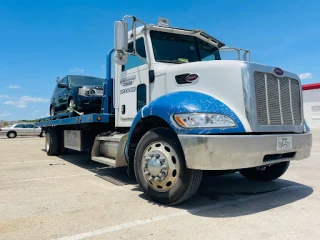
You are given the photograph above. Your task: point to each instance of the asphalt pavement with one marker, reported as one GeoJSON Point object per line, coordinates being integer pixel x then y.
{"type": "Point", "coordinates": [72, 197]}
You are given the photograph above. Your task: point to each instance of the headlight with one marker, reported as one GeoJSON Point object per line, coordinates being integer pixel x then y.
{"type": "Point", "coordinates": [82, 91]}
{"type": "Point", "coordinates": [204, 120]}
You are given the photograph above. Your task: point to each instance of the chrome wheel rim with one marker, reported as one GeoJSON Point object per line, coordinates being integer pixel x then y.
{"type": "Point", "coordinates": [71, 103]}
{"type": "Point", "coordinates": [47, 142]}
{"type": "Point", "coordinates": [160, 166]}
{"type": "Point", "coordinates": [11, 135]}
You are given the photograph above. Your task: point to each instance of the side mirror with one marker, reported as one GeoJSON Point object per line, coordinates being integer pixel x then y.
{"type": "Point", "coordinates": [62, 85]}
{"type": "Point", "coordinates": [121, 36]}
{"type": "Point", "coordinates": [121, 42]}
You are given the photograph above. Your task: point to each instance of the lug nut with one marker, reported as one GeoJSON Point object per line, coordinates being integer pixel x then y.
{"type": "Point", "coordinates": [151, 178]}
{"type": "Point", "coordinates": [147, 158]}
{"type": "Point", "coordinates": [162, 160]}
{"type": "Point", "coordinates": [162, 175]}
{"type": "Point", "coordinates": [146, 173]}
{"type": "Point", "coordinates": [164, 167]}
{"type": "Point", "coordinates": [157, 179]}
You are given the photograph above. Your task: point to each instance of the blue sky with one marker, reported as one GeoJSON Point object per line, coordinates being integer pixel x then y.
{"type": "Point", "coordinates": [40, 40]}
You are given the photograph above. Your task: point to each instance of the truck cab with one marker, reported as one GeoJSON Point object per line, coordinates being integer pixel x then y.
{"type": "Point", "coordinates": [179, 109]}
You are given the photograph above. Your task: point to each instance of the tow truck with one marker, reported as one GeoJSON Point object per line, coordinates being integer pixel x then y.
{"type": "Point", "coordinates": [173, 109]}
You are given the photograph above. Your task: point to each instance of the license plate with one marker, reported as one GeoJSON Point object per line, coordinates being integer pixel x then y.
{"type": "Point", "coordinates": [284, 143]}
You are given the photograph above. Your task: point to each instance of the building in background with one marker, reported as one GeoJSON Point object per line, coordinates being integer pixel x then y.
{"type": "Point", "coordinates": [311, 104]}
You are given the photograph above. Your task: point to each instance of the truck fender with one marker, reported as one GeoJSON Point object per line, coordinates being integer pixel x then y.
{"type": "Point", "coordinates": [185, 102]}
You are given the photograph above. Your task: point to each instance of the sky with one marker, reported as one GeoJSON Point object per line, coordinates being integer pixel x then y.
{"type": "Point", "coordinates": [41, 40]}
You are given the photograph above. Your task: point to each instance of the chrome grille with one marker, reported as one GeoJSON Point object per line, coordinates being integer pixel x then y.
{"type": "Point", "coordinates": [278, 100]}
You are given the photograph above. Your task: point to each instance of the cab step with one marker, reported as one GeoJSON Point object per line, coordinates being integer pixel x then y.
{"type": "Point", "coordinates": [108, 161]}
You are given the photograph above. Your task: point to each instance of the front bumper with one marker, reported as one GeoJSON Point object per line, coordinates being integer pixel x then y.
{"type": "Point", "coordinates": [89, 102]}
{"type": "Point", "coordinates": [226, 152]}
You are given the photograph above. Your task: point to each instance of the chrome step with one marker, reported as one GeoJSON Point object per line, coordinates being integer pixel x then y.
{"type": "Point", "coordinates": [104, 160]}
{"type": "Point", "coordinates": [110, 150]}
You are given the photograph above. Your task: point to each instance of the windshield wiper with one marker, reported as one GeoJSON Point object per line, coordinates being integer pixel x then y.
{"type": "Point", "coordinates": [170, 61]}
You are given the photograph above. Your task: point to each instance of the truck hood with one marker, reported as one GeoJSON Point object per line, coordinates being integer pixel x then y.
{"type": "Point", "coordinates": [225, 80]}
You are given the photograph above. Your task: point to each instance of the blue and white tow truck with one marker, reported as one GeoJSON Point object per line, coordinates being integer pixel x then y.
{"type": "Point", "coordinates": [172, 109]}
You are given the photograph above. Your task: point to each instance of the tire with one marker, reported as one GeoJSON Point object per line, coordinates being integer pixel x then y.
{"type": "Point", "coordinates": [71, 103]}
{"type": "Point", "coordinates": [52, 111]}
{"type": "Point", "coordinates": [52, 145]}
{"type": "Point", "coordinates": [159, 153]}
{"type": "Point", "coordinates": [11, 134]}
{"type": "Point", "coordinates": [265, 173]}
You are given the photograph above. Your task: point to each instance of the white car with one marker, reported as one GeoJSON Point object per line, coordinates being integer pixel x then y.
{"type": "Point", "coordinates": [21, 129]}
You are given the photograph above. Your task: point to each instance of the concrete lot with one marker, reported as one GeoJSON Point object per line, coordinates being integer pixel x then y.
{"type": "Point", "coordinates": [66, 197]}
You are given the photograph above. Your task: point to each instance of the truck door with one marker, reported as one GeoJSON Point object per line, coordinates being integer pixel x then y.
{"type": "Point", "coordinates": [133, 85]}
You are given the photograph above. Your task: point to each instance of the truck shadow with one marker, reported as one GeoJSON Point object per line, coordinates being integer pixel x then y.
{"type": "Point", "coordinates": [218, 197]}
{"type": "Point", "coordinates": [232, 195]}
{"type": "Point", "coordinates": [117, 176]}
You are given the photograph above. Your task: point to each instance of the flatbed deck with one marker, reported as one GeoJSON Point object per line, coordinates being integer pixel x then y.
{"type": "Point", "coordinates": [69, 119]}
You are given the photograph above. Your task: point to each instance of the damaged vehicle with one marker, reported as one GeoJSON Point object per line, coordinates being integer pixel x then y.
{"type": "Point", "coordinates": [81, 93]}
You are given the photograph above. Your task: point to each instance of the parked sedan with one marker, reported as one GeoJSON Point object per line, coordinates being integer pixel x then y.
{"type": "Point", "coordinates": [81, 93]}
{"type": "Point", "coordinates": [21, 129]}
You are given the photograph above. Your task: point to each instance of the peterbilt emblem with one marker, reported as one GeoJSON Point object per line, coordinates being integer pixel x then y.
{"type": "Point", "coordinates": [278, 71]}
{"type": "Point", "coordinates": [191, 77]}
{"type": "Point", "coordinates": [127, 81]}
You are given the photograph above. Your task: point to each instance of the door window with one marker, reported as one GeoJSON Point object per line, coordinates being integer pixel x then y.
{"type": "Point", "coordinates": [30, 126]}
{"type": "Point", "coordinates": [135, 61]}
{"type": "Point", "coordinates": [141, 96]}
{"type": "Point", "coordinates": [20, 126]}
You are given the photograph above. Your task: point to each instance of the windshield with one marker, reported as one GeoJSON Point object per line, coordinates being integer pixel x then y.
{"type": "Point", "coordinates": [176, 48]}
{"type": "Point", "coordinates": [83, 80]}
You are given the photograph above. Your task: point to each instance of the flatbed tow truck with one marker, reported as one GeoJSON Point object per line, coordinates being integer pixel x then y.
{"type": "Point", "coordinates": [173, 109]}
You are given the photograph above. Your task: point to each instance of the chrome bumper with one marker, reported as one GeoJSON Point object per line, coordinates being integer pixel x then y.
{"type": "Point", "coordinates": [225, 152]}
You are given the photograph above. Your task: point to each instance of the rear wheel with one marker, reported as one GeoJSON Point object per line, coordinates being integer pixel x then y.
{"type": "Point", "coordinates": [52, 146]}
{"type": "Point", "coordinates": [265, 173]}
{"type": "Point", "coordinates": [160, 168]}
{"type": "Point", "coordinates": [11, 134]}
{"type": "Point", "coordinates": [52, 111]}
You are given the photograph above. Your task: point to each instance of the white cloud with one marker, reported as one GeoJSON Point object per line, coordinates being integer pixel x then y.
{"type": "Point", "coordinates": [76, 70]}
{"type": "Point", "coordinates": [4, 96]}
{"type": "Point", "coordinates": [23, 101]}
{"type": "Point", "coordinates": [35, 112]}
{"type": "Point", "coordinates": [9, 102]}
{"type": "Point", "coordinates": [5, 114]}
{"type": "Point", "coordinates": [306, 75]}
{"type": "Point", "coordinates": [13, 86]}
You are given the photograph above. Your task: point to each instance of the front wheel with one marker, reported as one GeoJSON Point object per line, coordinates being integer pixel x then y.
{"type": "Point", "coordinates": [265, 173]}
{"type": "Point", "coordinates": [11, 134]}
{"type": "Point", "coordinates": [71, 103]}
{"type": "Point", "coordinates": [160, 168]}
